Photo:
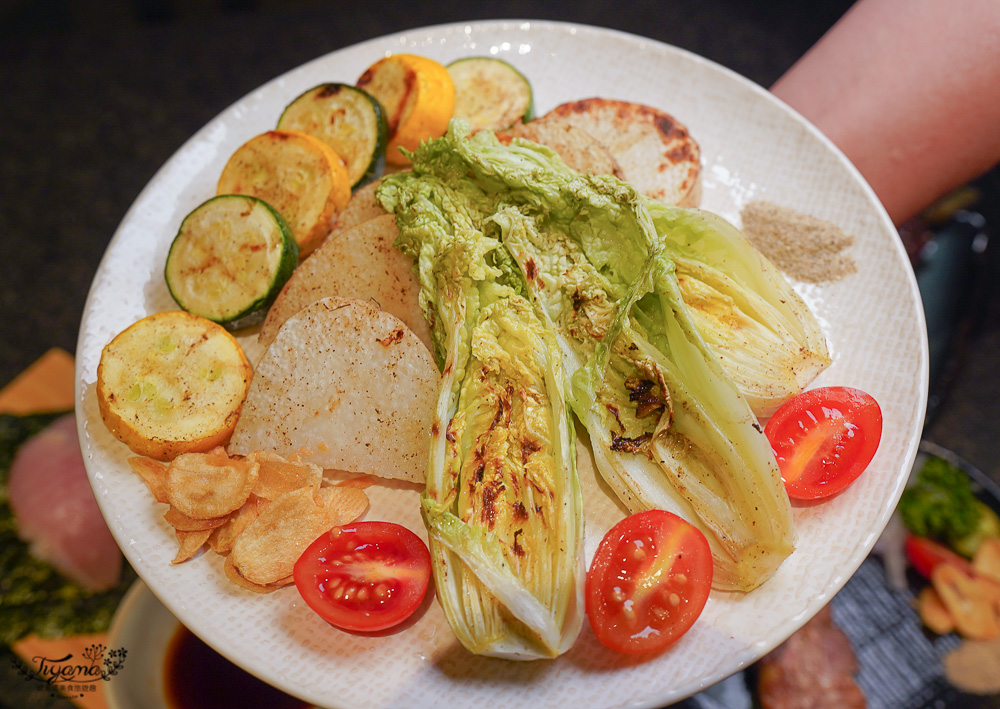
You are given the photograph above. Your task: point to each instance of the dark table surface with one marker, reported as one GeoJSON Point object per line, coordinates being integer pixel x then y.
{"type": "Point", "coordinates": [97, 95]}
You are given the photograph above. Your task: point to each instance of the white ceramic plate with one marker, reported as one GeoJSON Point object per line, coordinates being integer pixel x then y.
{"type": "Point", "coordinates": [753, 148]}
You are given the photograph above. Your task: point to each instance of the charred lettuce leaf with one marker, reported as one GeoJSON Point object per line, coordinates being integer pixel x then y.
{"type": "Point", "coordinates": [502, 504]}
{"type": "Point", "coordinates": [668, 426]}
{"type": "Point", "coordinates": [750, 317]}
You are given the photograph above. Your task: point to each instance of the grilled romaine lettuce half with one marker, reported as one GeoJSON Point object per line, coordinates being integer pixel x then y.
{"type": "Point", "coordinates": [750, 317]}
{"type": "Point", "coordinates": [668, 426]}
{"type": "Point", "coordinates": [502, 505]}
{"type": "Point", "coordinates": [670, 431]}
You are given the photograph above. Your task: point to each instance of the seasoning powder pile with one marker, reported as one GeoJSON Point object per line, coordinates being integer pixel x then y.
{"type": "Point", "coordinates": [806, 248]}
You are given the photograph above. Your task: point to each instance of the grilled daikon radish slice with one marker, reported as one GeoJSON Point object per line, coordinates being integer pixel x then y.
{"type": "Point", "coordinates": [362, 207]}
{"type": "Point", "coordinates": [360, 262]}
{"type": "Point", "coordinates": [230, 259]}
{"type": "Point", "coordinates": [299, 175]}
{"type": "Point", "coordinates": [345, 386]}
{"type": "Point", "coordinates": [349, 120]}
{"type": "Point", "coordinates": [172, 383]}
{"type": "Point", "coordinates": [490, 93]}
{"type": "Point", "coordinates": [418, 96]}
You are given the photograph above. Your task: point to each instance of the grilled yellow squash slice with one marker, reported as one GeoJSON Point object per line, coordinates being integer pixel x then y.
{"type": "Point", "coordinates": [297, 174]}
{"type": "Point", "coordinates": [418, 96]}
{"type": "Point", "coordinates": [172, 383]}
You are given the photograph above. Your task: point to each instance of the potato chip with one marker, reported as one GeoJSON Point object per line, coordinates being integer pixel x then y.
{"type": "Point", "coordinates": [223, 537]}
{"type": "Point", "coordinates": [204, 485]}
{"type": "Point", "coordinates": [189, 543]}
{"type": "Point", "coordinates": [182, 523]}
{"type": "Point", "coordinates": [218, 452]}
{"type": "Point", "coordinates": [233, 574]}
{"type": "Point", "coordinates": [153, 473]}
{"type": "Point", "coordinates": [341, 504]}
{"type": "Point", "coordinates": [349, 387]}
{"type": "Point", "coordinates": [972, 601]}
{"type": "Point", "coordinates": [361, 482]}
{"type": "Point", "coordinates": [278, 476]}
{"type": "Point", "coordinates": [933, 612]}
{"type": "Point", "coordinates": [267, 549]}
{"type": "Point", "coordinates": [986, 562]}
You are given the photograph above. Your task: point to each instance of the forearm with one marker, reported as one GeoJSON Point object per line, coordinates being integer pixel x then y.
{"type": "Point", "coordinates": [909, 90]}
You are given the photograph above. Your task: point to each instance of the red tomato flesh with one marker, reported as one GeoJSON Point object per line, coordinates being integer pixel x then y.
{"type": "Point", "coordinates": [648, 582]}
{"type": "Point", "coordinates": [364, 577]}
{"type": "Point", "coordinates": [823, 439]}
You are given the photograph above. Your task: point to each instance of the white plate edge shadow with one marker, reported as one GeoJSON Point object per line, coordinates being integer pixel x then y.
{"type": "Point", "coordinates": [158, 627]}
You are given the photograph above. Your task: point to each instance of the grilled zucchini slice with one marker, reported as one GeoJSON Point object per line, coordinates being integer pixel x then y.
{"type": "Point", "coordinates": [349, 120]}
{"type": "Point", "coordinates": [229, 260]}
{"type": "Point", "coordinates": [490, 93]}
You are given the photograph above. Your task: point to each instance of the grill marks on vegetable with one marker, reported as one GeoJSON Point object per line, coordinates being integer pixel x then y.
{"type": "Point", "coordinates": [502, 492]}
{"type": "Point", "coordinates": [393, 338]}
{"type": "Point", "coordinates": [633, 431]}
{"type": "Point", "coordinates": [647, 395]}
{"type": "Point", "coordinates": [531, 271]}
{"type": "Point", "coordinates": [655, 152]}
{"type": "Point", "coordinates": [327, 91]}
{"type": "Point", "coordinates": [395, 110]}
{"type": "Point", "coordinates": [590, 313]}
{"type": "Point", "coordinates": [638, 444]}
{"type": "Point", "coordinates": [489, 489]}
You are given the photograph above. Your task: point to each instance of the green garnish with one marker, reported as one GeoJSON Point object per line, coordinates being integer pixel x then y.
{"type": "Point", "coordinates": [942, 505]}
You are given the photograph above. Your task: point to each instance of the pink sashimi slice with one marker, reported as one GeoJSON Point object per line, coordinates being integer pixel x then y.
{"type": "Point", "coordinates": [55, 509]}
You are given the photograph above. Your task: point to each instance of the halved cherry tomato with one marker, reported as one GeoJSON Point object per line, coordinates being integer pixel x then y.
{"type": "Point", "coordinates": [823, 439]}
{"type": "Point", "coordinates": [648, 582]}
{"type": "Point", "coordinates": [925, 554]}
{"type": "Point", "coordinates": [366, 576]}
